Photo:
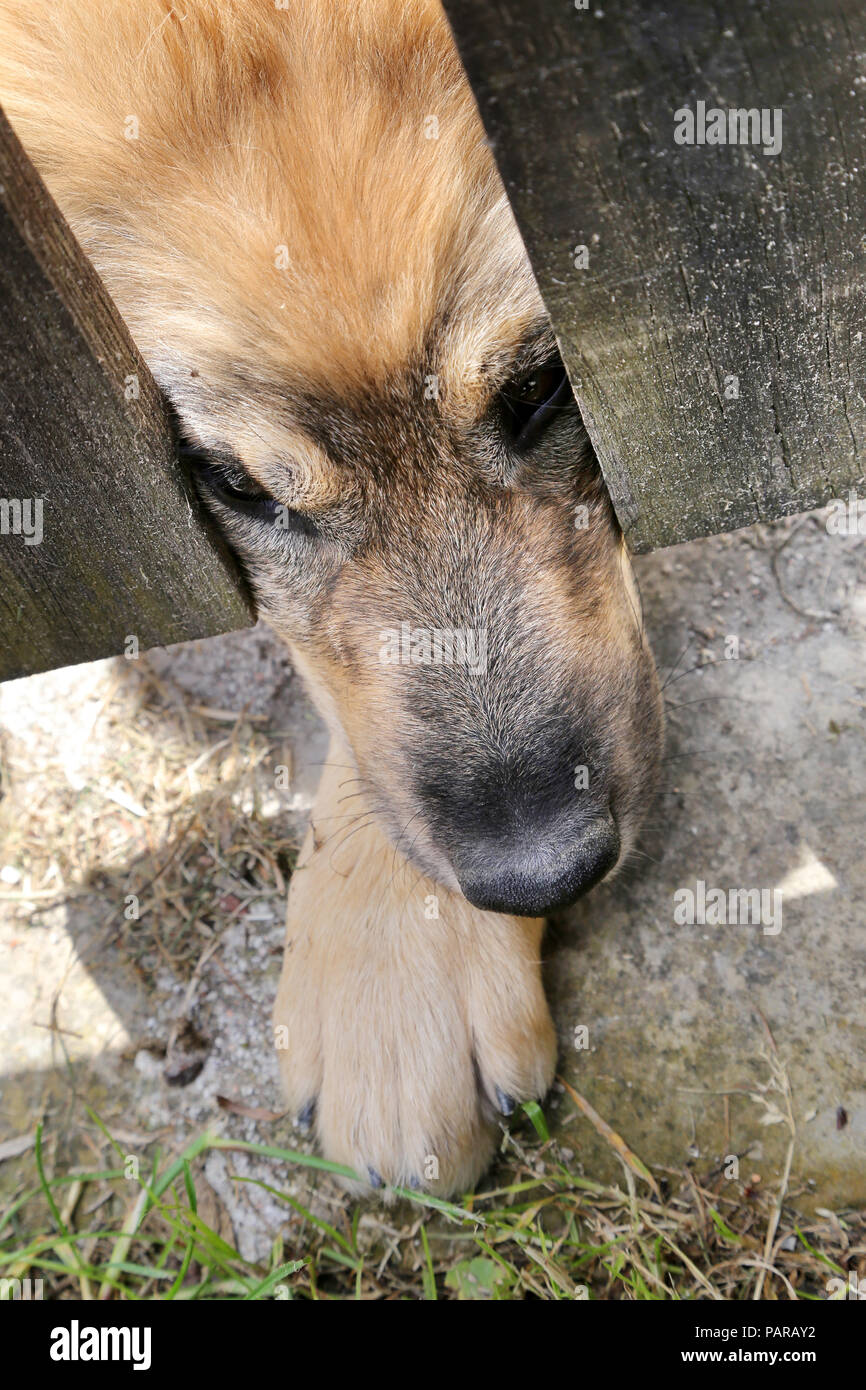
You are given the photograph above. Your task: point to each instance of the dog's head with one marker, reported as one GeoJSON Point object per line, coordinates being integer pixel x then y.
{"type": "Point", "coordinates": [312, 247]}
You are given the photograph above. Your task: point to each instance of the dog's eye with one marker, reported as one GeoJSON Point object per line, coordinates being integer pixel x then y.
{"type": "Point", "coordinates": [532, 402]}
{"type": "Point", "coordinates": [230, 484]}
{"type": "Point", "coordinates": [235, 487]}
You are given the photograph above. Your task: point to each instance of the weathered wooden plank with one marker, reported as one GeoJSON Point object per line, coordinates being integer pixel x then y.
{"type": "Point", "coordinates": [102, 537]}
{"type": "Point", "coordinates": [714, 327]}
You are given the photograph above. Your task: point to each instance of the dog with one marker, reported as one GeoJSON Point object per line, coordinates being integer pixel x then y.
{"type": "Point", "coordinates": [297, 213]}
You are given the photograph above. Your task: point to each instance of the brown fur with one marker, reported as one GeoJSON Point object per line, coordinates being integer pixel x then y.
{"type": "Point", "coordinates": [337, 302]}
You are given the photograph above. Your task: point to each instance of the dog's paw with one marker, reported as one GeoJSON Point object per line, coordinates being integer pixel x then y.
{"type": "Point", "coordinates": [404, 1038]}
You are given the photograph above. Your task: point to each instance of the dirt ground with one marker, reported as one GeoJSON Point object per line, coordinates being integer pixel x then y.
{"type": "Point", "coordinates": [150, 814]}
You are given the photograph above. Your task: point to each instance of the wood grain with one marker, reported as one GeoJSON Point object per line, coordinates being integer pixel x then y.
{"type": "Point", "coordinates": [125, 548]}
{"type": "Point", "coordinates": [705, 263]}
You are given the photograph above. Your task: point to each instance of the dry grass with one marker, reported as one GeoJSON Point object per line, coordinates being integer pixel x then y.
{"type": "Point", "coordinates": [165, 801]}
{"type": "Point", "coordinates": [542, 1233]}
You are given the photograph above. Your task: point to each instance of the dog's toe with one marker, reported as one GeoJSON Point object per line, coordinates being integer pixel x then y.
{"type": "Point", "coordinates": [505, 1102]}
{"type": "Point", "coordinates": [305, 1117]}
{"type": "Point", "coordinates": [405, 1039]}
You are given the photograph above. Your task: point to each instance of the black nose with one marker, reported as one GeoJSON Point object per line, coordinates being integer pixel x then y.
{"type": "Point", "coordinates": [538, 873]}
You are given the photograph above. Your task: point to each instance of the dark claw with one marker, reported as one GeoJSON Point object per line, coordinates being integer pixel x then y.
{"type": "Point", "coordinates": [505, 1102]}
{"type": "Point", "coordinates": [415, 1184]}
{"type": "Point", "coordinates": [375, 1178]}
{"type": "Point", "coordinates": [305, 1118]}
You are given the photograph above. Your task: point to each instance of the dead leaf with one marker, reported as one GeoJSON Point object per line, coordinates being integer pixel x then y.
{"type": "Point", "coordinates": [250, 1112]}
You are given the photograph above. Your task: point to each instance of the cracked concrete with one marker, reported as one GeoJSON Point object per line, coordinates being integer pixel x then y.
{"type": "Point", "coordinates": [765, 788]}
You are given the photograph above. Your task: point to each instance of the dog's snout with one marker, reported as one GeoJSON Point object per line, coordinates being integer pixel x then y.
{"type": "Point", "coordinates": [538, 873]}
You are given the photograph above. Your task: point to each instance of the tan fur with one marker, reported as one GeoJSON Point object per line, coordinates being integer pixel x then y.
{"type": "Point", "coordinates": [261, 128]}
{"type": "Point", "coordinates": [402, 1007]}
{"type": "Point", "coordinates": [342, 306]}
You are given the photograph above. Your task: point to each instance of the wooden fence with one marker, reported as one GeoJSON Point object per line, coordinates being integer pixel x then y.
{"type": "Point", "coordinates": [710, 298]}
{"type": "Point", "coordinates": [690, 184]}
{"type": "Point", "coordinates": [102, 541]}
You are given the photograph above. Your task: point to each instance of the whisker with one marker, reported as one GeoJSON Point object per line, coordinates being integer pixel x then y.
{"type": "Point", "coordinates": [677, 662]}
{"type": "Point", "coordinates": [643, 855]}
{"type": "Point", "coordinates": [363, 826]}
{"type": "Point", "coordinates": [350, 796]}
{"type": "Point", "coordinates": [349, 767]}
{"type": "Point", "coordinates": [405, 857]}
{"type": "Point", "coordinates": [406, 900]}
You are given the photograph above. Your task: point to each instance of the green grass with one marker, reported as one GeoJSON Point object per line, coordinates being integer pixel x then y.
{"type": "Point", "coordinates": [136, 1233]}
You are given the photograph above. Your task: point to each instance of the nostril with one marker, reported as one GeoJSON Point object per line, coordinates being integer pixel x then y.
{"type": "Point", "coordinates": [594, 854]}
{"type": "Point", "coordinates": [535, 877]}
